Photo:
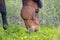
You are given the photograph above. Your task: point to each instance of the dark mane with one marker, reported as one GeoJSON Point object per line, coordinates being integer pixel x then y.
{"type": "Point", "coordinates": [24, 1]}
{"type": "Point", "coordinates": [39, 3]}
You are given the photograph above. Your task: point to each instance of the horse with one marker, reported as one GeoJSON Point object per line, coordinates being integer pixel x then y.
{"type": "Point", "coordinates": [3, 13]}
{"type": "Point", "coordinates": [29, 13]}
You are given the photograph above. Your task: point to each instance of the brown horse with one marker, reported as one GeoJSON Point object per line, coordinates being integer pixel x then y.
{"type": "Point", "coordinates": [29, 13]}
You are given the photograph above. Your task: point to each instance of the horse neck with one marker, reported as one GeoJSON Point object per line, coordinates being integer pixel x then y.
{"type": "Point", "coordinates": [29, 3]}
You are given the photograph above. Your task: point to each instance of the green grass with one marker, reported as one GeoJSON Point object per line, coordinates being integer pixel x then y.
{"type": "Point", "coordinates": [19, 33]}
{"type": "Point", "coordinates": [49, 15]}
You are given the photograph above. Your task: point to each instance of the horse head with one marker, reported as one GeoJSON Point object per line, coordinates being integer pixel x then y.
{"type": "Point", "coordinates": [29, 13]}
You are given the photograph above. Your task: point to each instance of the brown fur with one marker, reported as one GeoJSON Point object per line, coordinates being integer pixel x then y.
{"type": "Point", "coordinates": [29, 16]}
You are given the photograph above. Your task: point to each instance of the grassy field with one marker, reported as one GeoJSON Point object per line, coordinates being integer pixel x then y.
{"type": "Point", "coordinates": [19, 33]}
{"type": "Point", "coordinates": [49, 14]}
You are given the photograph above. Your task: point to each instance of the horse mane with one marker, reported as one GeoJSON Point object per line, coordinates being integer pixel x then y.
{"type": "Point", "coordinates": [38, 2]}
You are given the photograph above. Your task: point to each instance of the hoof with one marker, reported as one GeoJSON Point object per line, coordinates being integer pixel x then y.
{"type": "Point", "coordinates": [5, 26]}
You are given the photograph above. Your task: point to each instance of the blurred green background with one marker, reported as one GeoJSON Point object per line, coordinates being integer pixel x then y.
{"type": "Point", "coordinates": [49, 18]}
{"type": "Point", "coordinates": [49, 15]}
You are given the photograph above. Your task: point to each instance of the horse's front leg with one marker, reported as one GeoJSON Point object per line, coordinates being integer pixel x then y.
{"type": "Point", "coordinates": [4, 19]}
